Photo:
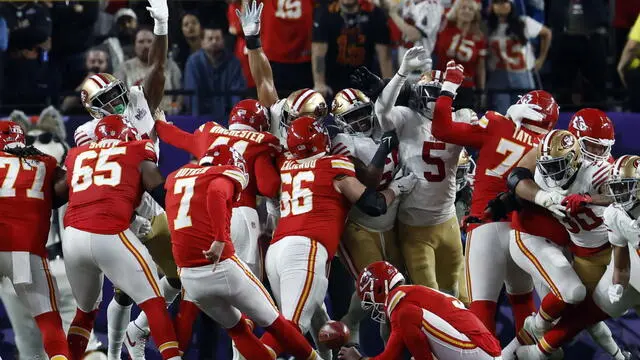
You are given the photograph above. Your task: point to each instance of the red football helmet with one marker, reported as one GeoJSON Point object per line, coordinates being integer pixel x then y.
{"type": "Point", "coordinates": [115, 127]}
{"type": "Point", "coordinates": [594, 131]}
{"type": "Point", "coordinates": [307, 137]}
{"type": "Point", "coordinates": [374, 284]}
{"type": "Point", "coordinates": [11, 134]}
{"type": "Point", "coordinates": [549, 108]}
{"type": "Point", "coordinates": [251, 113]}
{"type": "Point", "coordinates": [223, 154]}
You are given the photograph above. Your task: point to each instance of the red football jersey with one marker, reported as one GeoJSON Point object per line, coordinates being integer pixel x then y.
{"type": "Point", "coordinates": [286, 30]}
{"type": "Point", "coordinates": [309, 203]}
{"type": "Point", "coordinates": [465, 49]}
{"type": "Point", "coordinates": [105, 184]}
{"type": "Point", "coordinates": [190, 200]}
{"type": "Point", "coordinates": [535, 220]}
{"type": "Point", "coordinates": [26, 190]}
{"type": "Point", "coordinates": [412, 304]}
{"type": "Point", "coordinates": [251, 144]}
{"type": "Point", "coordinates": [501, 148]}
{"type": "Point", "coordinates": [240, 50]}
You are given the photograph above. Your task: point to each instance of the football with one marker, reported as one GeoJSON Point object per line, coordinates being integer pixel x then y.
{"type": "Point", "coordinates": [334, 334]}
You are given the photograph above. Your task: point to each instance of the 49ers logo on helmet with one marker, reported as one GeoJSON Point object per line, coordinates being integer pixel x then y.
{"type": "Point", "coordinates": [83, 96]}
{"type": "Point", "coordinates": [567, 141]}
{"type": "Point", "coordinates": [636, 163]}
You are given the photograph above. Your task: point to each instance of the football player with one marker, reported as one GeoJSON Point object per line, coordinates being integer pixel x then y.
{"type": "Point", "coordinates": [619, 288]}
{"type": "Point", "coordinates": [28, 176]}
{"type": "Point", "coordinates": [366, 239]}
{"type": "Point", "coordinates": [104, 184]}
{"type": "Point", "coordinates": [199, 204]}
{"type": "Point", "coordinates": [595, 133]}
{"type": "Point", "coordinates": [428, 231]}
{"type": "Point", "coordinates": [501, 143]}
{"type": "Point", "coordinates": [426, 322]}
{"type": "Point", "coordinates": [316, 194]}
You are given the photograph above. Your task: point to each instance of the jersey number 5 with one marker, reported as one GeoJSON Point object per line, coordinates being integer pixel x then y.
{"type": "Point", "coordinates": [13, 166]}
{"type": "Point", "coordinates": [300, 199]}
{"type": "Point", "coordinates": [429, 159]}
{"type": "Point", "coordinates": [110, 171]}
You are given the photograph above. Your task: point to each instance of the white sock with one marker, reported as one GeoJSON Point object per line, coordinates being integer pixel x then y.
{"type": "Point", "coordinates": [118, 317]}
{"type": "Point", "coordinates": [542, 324]}
{"type": "Point", "coordinates": [168, 292]}
{"type": "Point", "coordinates": [601, 335]}
{"type": "Point", "coordinates": [508, 353]}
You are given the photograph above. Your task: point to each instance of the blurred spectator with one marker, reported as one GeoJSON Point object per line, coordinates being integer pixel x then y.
{"type": "Point", "coordinates": [240, 49]}
{"type": "Point", "coordinates": [347, 35]}
{"type": "Point", "coordinates": [579, 53]}
{"type": "Point", "coordinates": [511, 58]}
{"type": "Point", "coordinates": [27, 66]}
{"type": "Point", "coordinates": [211, 72]}
{"type": "Point", "coordinates": [463, 41]}
{"type": "Point", "coordinates": [629, 67]}
{"type": "Point", "coordinates": [190, 41]}
{"type": "Point", "coordinates": [419, 22]}
{"type": "Point", "coordinates": [103, 24]}
{"type": "Point", "coordinates": [625, 14]}
{"type": "Point", "coordinates": [4, 44]}
{"type": "Point", "coordinates": [120, 41]}
{"type": "Point", "coordinates": [72, 34]}
{"type": "Point", "coordinates": [96, 61]}
{"type": "Point", "coordinates": [286, 40]}
{"type": "Point", "coordinates": [133, 71]}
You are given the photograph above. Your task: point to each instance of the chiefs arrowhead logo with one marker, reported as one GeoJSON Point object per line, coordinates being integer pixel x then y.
{"type": "Point", "coordinates": [579, 124]}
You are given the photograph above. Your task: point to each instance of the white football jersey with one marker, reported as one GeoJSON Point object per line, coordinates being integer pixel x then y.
{"type": "Point", "coordinates": [586, 229]}
{"type": "Point", "coordinates": [623, 228]}
{"type": "Point", "coordinates": [275, 111]}
{"type": "Point", "coordinates": [434, 162]}
{"type": "Point", "coordinates": [364, 148]}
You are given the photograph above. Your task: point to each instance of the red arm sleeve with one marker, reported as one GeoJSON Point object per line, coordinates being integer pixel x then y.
{"type": "Point", "coordinates": [219, 195]}
{"type": "Point", "coordinates": [267, 177]}
{"type": "Point", "coordinates": [406, 332]}
{"type": "Point", "coordinates": [445, 129]}
{"type": "Point", "coordinates": [177, 137]}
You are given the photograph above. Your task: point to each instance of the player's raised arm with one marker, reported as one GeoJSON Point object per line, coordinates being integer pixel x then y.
{"type": "Point", "coordinates": [153, 181]}
{"type": "Point", "coordinates": [415, 58]}
{"type": "Point", "coordinates": [372, 175]}
{"type": "Point", "coordinates": [177, 137]}
{"type": "Point", "coordinates": [153, 85]}
{"type": "Point", "coordinates": [258, 62]}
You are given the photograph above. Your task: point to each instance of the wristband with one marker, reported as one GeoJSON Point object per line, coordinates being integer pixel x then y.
{"type": "Point", "coordinates": [449, 87]}
{"type": "Point", "coordinates": [160, 27]}
{"type": "Point", "coordinates": [253, 42]}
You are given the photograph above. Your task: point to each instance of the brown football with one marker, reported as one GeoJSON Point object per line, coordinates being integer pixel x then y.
{"type": "Point", "coordinates": [334, 334]}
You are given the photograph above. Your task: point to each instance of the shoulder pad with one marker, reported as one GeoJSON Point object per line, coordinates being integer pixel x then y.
{"type": "Point", "coordinates": [394, 300]}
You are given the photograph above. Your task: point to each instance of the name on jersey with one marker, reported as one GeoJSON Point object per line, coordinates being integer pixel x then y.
{"type": "Point", "coordinates": [191, 171]}
{"type": "Point", "coordinates": [106, 143]}
{"type": "Point", "coordinates": [245, 134]}
{"type": "Point", "coordinates": [294, 165]}
{"type": "Point", "coordinates": [525, 138]}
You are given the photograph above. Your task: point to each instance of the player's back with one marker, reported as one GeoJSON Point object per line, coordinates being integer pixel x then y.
{"type": "Point", "coordinates": [310, 205]}
{"type": "Point", "coordinates": [443, 306]}
{"type": "Point", "coordinates": [25, 209]}
{"type": "Point", "coordinates": [250, 144]}
{"type": "Point", "coordinates": [188, 213]}
{"type": "Point", "coordinates": [105, 184]}
{"type": "Point", "coordinates": [500, 153]}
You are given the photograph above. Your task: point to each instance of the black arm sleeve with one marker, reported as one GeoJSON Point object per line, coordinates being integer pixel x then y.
{"type": "Point", "coordinates": [372, 203]}
{"type": "Point", "coordinates": [516, 175]}
{"type": "Point", "coordinates": [158, 194]}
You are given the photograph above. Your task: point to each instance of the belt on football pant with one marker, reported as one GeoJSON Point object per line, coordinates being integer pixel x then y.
{"type": "Point", "coordinates": [54, 251]}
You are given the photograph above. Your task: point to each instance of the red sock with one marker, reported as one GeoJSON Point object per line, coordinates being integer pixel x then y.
{"type": "Point", "coordinates": [53, 337]}
{"type": "Point", "coordinates": [183, 324]}
{"type": "Point", "coordinates": [248, 344]}
{"type": "Point", "coordinates": [289, 336]}
{"type": "Point", "coordinates": [485, 310]}
{"type": "Point", "coordinates": [551, 307]}
{"type": "Point", "coordinates": [522, 305]}
{"type": "Point", "coordinates": [578, 318]}
{"type": "Point", "coordinates": [79, 332]}
{"type": "Point", "coordinates": [161, 327]}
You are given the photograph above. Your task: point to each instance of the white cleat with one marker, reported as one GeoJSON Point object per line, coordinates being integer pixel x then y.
{"type": "Point", "coordinates": [135, 340]}
{"type": "Point", "coordinates": [530, 333]}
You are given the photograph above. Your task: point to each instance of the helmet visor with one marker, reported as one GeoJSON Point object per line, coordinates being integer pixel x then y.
{"type": "Point", "coordinates": [359, 119]}
{"type": "Point", "coordinates": [555, 171]}
{"type": "Point", "coordinates": [623, 191]}
{"type": "Point", "coordinates": [113, 101]}
{"type": "Point", "coordinates": [594, 149]}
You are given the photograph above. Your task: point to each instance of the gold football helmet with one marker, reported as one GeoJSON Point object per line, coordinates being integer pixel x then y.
{"type": "Point", "coordinates": [353, 112]}
{"type": "Point", "coordinates": [303, 102]}
{"type": "Point", "coordinates": [466, 170]}
{"type": "Point", "coordinates": [558, 157]}
{"type": "Point", "coordinates": [623, 181]}
{"type": "Point", "coordinates": [103, 94]}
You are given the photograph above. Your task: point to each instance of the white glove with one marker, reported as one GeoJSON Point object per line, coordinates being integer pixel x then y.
{"type": "Point", "coordinates": [140, 226]}
{"type": "Point", "coordinates": [414, 59]}
{"type": "Point", "coordinates": [403, 183]}
{"type": "Point", "coordinates": [250, 18]}
{"type": "Point", "coordinates": [273, 214]}
{"type": "Point", "coordinates": [551, 201]}
{"type": "Point", "coordinates": [615, 292]}
{"type": "Point", "coordinates": [160, 14]}
{"type": "Point", "coordinates": [519, 112]}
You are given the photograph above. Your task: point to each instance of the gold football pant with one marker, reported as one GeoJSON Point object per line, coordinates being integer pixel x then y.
{"type": "Point", "coordinates": [361, 247]}
{"type": "Point", "coordinates": [590, 269]}
{"type": "Point", "coordinates": [433, 254]}
{"type": "Point", "coordinates": [158, 242]}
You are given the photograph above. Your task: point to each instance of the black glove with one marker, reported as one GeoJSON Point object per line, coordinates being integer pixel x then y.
{"type": "Point", "coordinates": [366, 81]}
{"type": "Point", "coordinates": [502, 205]}
{"type": "Point", "coordinates": [391, 139]}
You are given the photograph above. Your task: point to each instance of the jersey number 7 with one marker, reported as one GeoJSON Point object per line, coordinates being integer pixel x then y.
{"type": "Point", "coordinates": [13, 165]}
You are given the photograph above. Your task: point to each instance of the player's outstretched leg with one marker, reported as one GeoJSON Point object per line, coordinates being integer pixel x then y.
{"type": "Point", "coordinates": [161, 327]}
{"type": "Point", "coordinates": [183, 323]}
{"type": "Point", "coordinates": [118, 315]}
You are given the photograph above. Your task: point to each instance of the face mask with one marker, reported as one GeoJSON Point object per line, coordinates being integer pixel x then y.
{"type": "Point", "coordinates": [119, 109]}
